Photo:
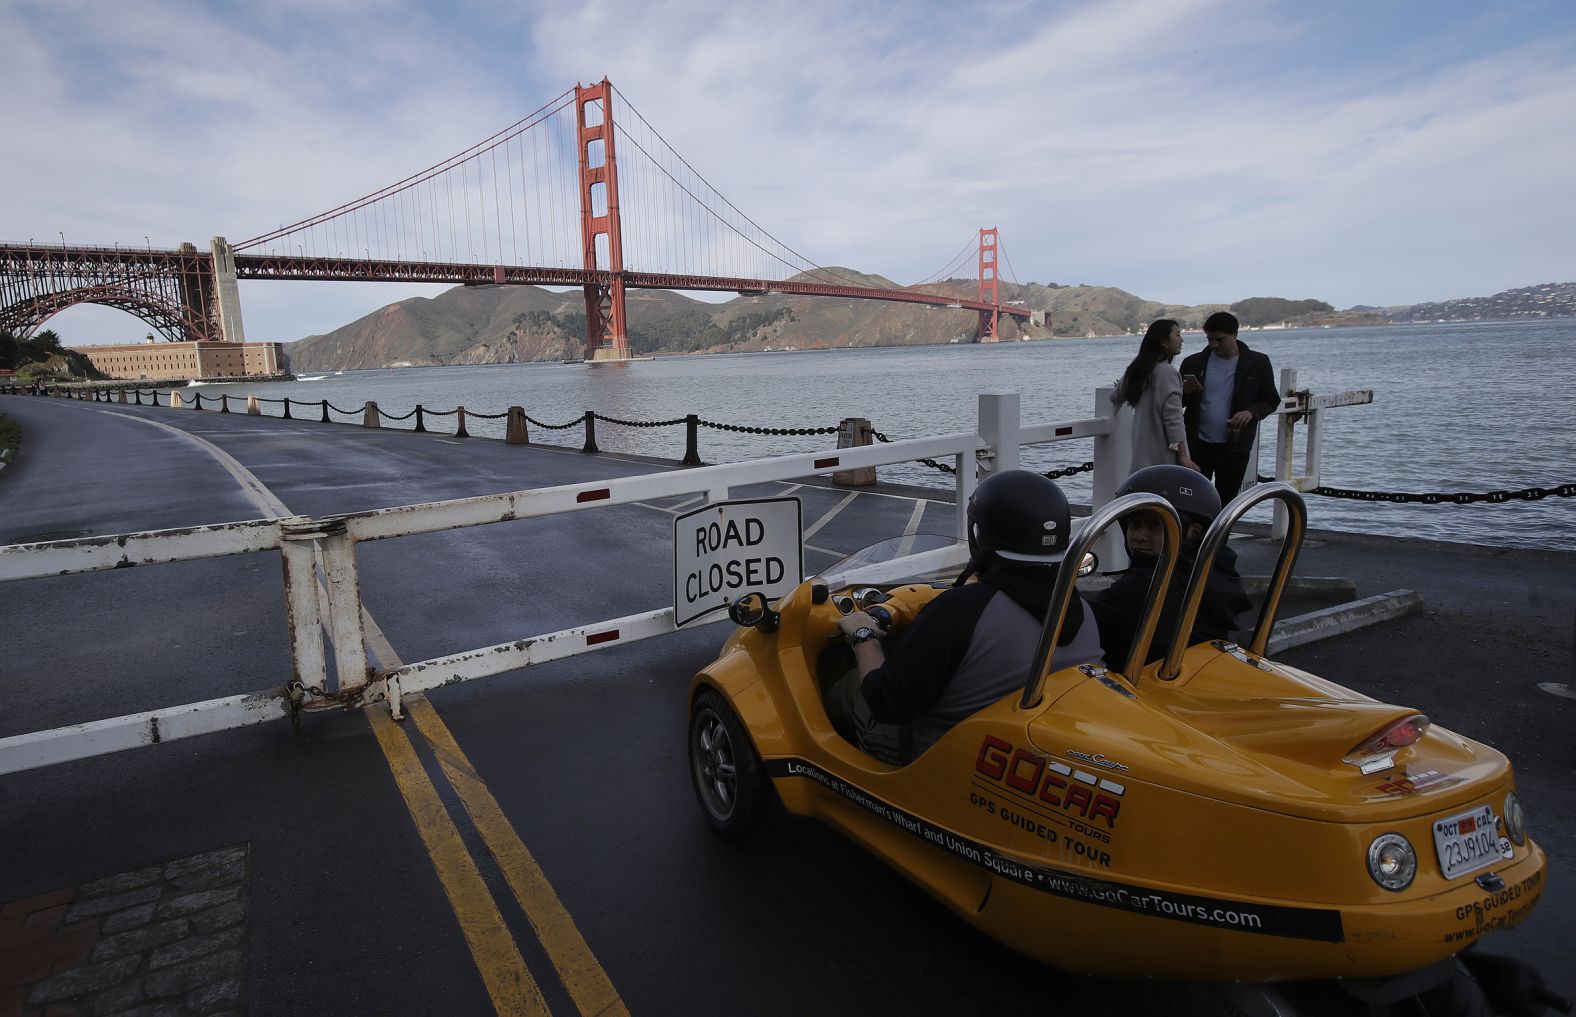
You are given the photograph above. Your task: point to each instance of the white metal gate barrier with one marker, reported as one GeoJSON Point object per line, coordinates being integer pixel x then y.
{"type": "Point", "coordinates": [322, 588]}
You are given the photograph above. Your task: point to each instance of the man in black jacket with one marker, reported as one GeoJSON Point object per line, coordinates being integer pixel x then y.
{"type": "Point", "coordinates": [1226, 390]}
{"type": "Point", "coordinates": [1119, 608]}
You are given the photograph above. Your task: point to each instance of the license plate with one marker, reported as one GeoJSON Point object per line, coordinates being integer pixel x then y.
{"type": "Point", "coordinates": [1469, 841]}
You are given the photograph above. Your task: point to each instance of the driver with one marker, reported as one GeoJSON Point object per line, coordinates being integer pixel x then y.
{"type": "Point", "coordinates": [974, 643]}
{"type": "Point", "coordinates": [1120, 607]}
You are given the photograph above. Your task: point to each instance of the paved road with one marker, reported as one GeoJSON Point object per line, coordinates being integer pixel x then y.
{"type": "Point", "coordinates": [584, 757]}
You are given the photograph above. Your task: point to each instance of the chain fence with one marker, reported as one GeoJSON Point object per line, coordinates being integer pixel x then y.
{"type": "Point", "coordinates": [1442, 497]}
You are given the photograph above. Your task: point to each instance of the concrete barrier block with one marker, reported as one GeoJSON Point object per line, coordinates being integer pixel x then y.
{"type": "Point", "coordinates": [1341, 619]}
{"type": "Point", "coordinates": [176, 402]}
{"type": "Point", "coordinates": [369, 416]}
{"type": "Point", "coordinates": [252, 407]}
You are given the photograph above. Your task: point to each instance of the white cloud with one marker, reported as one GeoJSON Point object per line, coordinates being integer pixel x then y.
{"type": "Point", "coordinates": [1187, 151]}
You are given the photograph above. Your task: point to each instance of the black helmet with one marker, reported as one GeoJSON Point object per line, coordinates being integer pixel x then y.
{"type": "Point", "coordinates": [1188, 491]}
{"type": "Point", "coordinates": [1019, 516]}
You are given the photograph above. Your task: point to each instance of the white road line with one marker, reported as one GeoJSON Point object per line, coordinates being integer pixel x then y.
{"type": "Point", "coordinates": [812, 531]}
{"type": "Point", "coordinates": [251, 487]}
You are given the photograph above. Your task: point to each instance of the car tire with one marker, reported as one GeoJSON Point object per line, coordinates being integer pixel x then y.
{"type": "Point", "coordinates": [730, 782]}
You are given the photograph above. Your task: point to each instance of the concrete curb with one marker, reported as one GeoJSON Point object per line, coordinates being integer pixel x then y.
{"type": "Point", "coordinates": [1335, 621]}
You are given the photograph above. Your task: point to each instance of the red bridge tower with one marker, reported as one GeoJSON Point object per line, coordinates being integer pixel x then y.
{"type": "Point", "coordinates": [600, 233]}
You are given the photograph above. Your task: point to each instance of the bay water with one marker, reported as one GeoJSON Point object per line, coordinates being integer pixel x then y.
{"type": "Point", "coordinates": [1457, 407]}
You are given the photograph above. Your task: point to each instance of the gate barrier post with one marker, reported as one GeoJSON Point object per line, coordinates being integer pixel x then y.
{"type": "Point", "coordinates": [1285, 437]}
{"type": "Point", "coordinates": [1113, 454]}
{"type": "Point", "coordinates": [297, 537]}
{"type": "Point", "coordinates": [999, 422]}
{"type": "Point", "coordinates": [854, 432]}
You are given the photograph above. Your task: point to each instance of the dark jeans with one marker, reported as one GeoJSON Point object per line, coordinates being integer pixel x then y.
{"type": "Point", "coordinates": [1224, 464]}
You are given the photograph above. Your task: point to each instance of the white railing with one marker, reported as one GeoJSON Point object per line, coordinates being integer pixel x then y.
{"type": "Point", "coordinates": [322, 584]}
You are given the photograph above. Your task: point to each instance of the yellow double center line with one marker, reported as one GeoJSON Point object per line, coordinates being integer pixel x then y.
{"type": "Point", "coordinates": [510, 985]}
{"type": "Point", "coordinates": [508, 980]}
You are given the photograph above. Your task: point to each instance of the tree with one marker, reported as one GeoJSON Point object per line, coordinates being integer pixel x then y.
{"type": "Point", "coordinates": [8, 350]}
{"type": "Point", "coordinates": [48, 340]}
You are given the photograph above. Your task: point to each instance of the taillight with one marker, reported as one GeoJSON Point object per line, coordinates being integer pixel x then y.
{"type": "Point", "coordinates": [1375, 753]}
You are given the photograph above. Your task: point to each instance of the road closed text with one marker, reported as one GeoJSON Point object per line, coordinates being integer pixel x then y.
{"type": "Point", "coordinates": [726, 550]}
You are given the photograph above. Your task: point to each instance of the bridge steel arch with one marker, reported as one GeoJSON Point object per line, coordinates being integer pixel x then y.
{"type": "Point", "coordinates": [173, 291]}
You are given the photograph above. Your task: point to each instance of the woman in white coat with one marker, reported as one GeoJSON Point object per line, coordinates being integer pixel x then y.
{"type": "Point", "coordinates": [1152, 387]}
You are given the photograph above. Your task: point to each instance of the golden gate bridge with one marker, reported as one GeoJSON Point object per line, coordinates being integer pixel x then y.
{"type": "Point", "coordinates": [583, 192]}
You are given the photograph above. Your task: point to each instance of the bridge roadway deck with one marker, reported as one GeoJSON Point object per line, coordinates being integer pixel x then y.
{"type": "Point", "coordinates": [585, 756]}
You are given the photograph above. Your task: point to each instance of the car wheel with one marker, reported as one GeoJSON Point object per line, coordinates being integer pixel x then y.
{"type": "Point", "coordinates": [729, 780]}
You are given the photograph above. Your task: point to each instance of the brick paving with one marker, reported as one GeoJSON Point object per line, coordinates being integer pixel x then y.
{"type": "Point", "coordinates": [165, 941]}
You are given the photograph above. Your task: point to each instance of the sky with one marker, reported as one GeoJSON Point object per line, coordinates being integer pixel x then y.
{"type": "Point", "coordinates": [1188, 151]}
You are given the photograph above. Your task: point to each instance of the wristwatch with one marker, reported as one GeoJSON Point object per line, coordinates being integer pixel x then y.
{"type": "Point", "coordinates": [863, 634]}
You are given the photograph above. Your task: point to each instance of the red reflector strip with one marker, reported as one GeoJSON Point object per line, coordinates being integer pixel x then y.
{"type": "Point", "coordinates": [601, 637]}
{"type": "Point", "coordinates": [597, 495]}
{"type": "Point", "coordinates": [822, 464]}
{"type": "Point", "coordinates": [1060, 431]}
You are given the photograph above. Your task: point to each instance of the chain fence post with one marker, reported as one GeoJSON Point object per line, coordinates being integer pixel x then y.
{"type": "Point", "coordinates": [854, 432]}
{"type": "Point", "coordinates": [137, 392]}
{"type": "Point", "coordinates": [691, 441]}
{"type": "Point", "coordinates": [419, 425]}
{"type": "Point", "coordinates": [369, 415]}
{"type": "Point", "coordinates": [224, 402]}
{"type": "Point", "coordinates": [287, 415]}
{"type": "Point", "coordinates": [514, 427]}
{"type": "Point", "coordinates": [197, 402]}
{"type": "Point", "coordinates": [459, 427]}
{"type": "Point", "coordinates": [325, 419]}
{"type": "Point", "coordinates": [590, 446]}
{"type": "Point", "coordinates": [1285, 450]}
{"type": "Point", "coordinates": [123, 395]}
{"type": "Point", "coordinates": [253, 407]}
{"type": "Point", "coordinates": [175, 400]}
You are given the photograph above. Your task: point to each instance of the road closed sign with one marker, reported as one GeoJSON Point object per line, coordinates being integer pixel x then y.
{"type": "Point", "coordinates": [724, 551]}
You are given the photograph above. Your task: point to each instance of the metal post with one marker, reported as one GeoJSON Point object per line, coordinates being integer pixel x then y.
{"type": "Point", "coordinates": [197, 402]}
{"type": "Point", "coordinates": [325, 412]}
{"type": "Point", "coordinates": [1285, 438]}
{"type": "Point", "coordinates": [137, 393]}
{"type": "Point", "coordinates": [1310, 463]}
{"type": "Point", "coordinates": [1113, 454]}
{"type": "Point", "coordinates": [344, 607]}
{"type": "Point", "coordinates": [999, 427]}
{"type": "Point", "coordinates": [419, 425]}
{"type": "Point", "coordinates": [963, 490]}
{"type": "Point", "coordinates": [691, 441]}
{"type": "Point", "coordinates": [301, 602]}
{"type": "Point", "coordinates": [459, 428]}
{"type": "Point", "coordinates": [590, 445]}
{"type": "Point", "coordinates": [224, 402]}
{"type": "Point", "coordinates": [287, 415]}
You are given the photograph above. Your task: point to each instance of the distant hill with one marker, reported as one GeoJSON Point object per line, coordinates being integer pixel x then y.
{"type": "Point", "coordinates": [516, 324]}
{"type": "Point", "coordinates": [1547, 300]}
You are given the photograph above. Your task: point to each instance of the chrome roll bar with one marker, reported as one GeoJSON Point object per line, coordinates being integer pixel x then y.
{"type": "Point", "coordinates": [1210, 546]}
{"type": "Point", "coordinates": [1067, 575]}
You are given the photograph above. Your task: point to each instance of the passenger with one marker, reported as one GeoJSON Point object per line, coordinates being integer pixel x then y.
{"type": "Point", "coordinates": [1152, 387]}
{"type": "Point", "coordinates": [1119, 608]}
{"type": "Point", "coordinates": [974, 643]}
{"type": "Point", "coordinates": [1227, 389]}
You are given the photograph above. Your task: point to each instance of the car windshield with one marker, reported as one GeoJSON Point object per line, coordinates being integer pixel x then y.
{"type": "Point", "coordinates": [911, 558]}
